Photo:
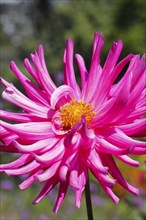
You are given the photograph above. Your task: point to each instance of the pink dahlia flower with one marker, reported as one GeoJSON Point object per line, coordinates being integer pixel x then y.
{"type": "Point", "coordinates": [63, 133]}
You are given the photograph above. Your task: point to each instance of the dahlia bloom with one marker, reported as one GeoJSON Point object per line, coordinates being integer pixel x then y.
{"type": "Point", "coordinates": [63, 133]}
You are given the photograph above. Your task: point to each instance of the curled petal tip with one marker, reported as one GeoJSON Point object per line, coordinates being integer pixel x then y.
{"type": "Point", "coordinates": [137, 192]}
{"type": "Point", "coordinates": [116, 202]}
{"type": "Point", "coordinates": [34, 202]}
{"type": "Point", "coordinates": [12, 63]}
{"type": "Point", "coordinates": [40, 46]}
{"type": "Point", "coordinates": [33, 54]}
{"type": "Point", "coordinates": [70, 41]}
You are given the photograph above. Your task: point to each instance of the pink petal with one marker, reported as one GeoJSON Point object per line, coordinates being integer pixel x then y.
{"type": "Point", "coordinates": [60, 92]}
{"type": "Point", "coordinates": [31, 130]}
{"type": "Point", "coordinates": [110, 193]}
{"type": "Point", "coordinates": [47, 83]}
{"type": "Point", "coordinates": [136, 114]}
{"type": "Point", "coordinates": [103, 112]}
{"type": "Point", "coordinates": [108, 148]}
{"type": "Point", "coordinates": [117, 70]}
{"type": "Point", "coordinates": [21, 117]}
{"type": "Point", "coordinates": [128, 160]}
{"type": "Point", "coordinates": [104, 178]}
{"type": "Point", "coordinates": [31, 89]}
{"type": "Point", "coordinates": [96, 50]}
{"type": "Point", "coordinates": [24, 159]}
{"type": "Point", "coordinates": [67, 164]}
{"type": "Point", "coordinates": [23, 170]}
{"type": "Point", "coordinates": [95, 69]}
{"type": "Point", "coordinates": [133, 98]}
{"type": "Point", "coordinates": [88, 138]}
{"type": "Point", "coordinates": [82, 175]}
{"type": "Point", "coordinates": [73, 177]}
{"type": "Point", "coordinates": [8, 148]}
{"type": "Point", "coordinates": [138, 151]}
{"type": "Point", "coordinates": [82, 69]}
{"type": "Point", "coordinates": [120, 139]}
{"type": "Point", "coordinates": [138, 68]}
{"type": "Point", "coordinates": [134, 127]}
{"type": "Point", "coordinates": [39, 146]}
{"type": "Point", "coordinates": [121, 99]}
{"type": "Point", "coordinates": [69, 70]}
{"type": "Point", "coordinates": [6, 136]}
{"type": "Point", "coordinates": [91, 85]}
{"type": "Point", "coordinates": [61, 195]}
{"type": "Point", "coordinates": [48, 173]}
{"type": "Point", "coordinates": [95, 163]}
{"type": "Point", "coordinates": [71, 134]}
{"type": "Point", "coordinates": [115, 172]}
{"type": "Point", "coordinates": [53, 155]}
{"type": "Point", "coordinates": [12, 95]}
{"type": "Point", "coordinates": [46, 189]}
{"type": "Point", "coordinates": [78, 196]}
{"type": "Point", "coordinates": [82, 179]}
{"type": "Point", "coordinates": [113, 56]}
{"type": "Point", "coordinates": [42, 59]}
{"type": "Point", "coordinates": [102, 91]}
{"type": "Point", "coordinates": [30, 179]}
{"type": "Point", "coordinates": [131, 69]}
{"type": "Point", "coordinates": [32, 72]}
{"type": "Point", "coordinates": [63, 172]}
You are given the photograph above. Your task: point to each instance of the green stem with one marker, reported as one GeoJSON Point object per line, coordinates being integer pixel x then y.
{"type": "Point", "coordinates": [88, 201]}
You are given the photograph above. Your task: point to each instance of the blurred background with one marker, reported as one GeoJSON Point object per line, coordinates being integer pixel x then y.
{"type": "Point", "coordinates": [26, 23]}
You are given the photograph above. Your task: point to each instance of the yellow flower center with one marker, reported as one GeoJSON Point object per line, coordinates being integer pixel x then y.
{"type": "Point", "coordinates": [71, 113]}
